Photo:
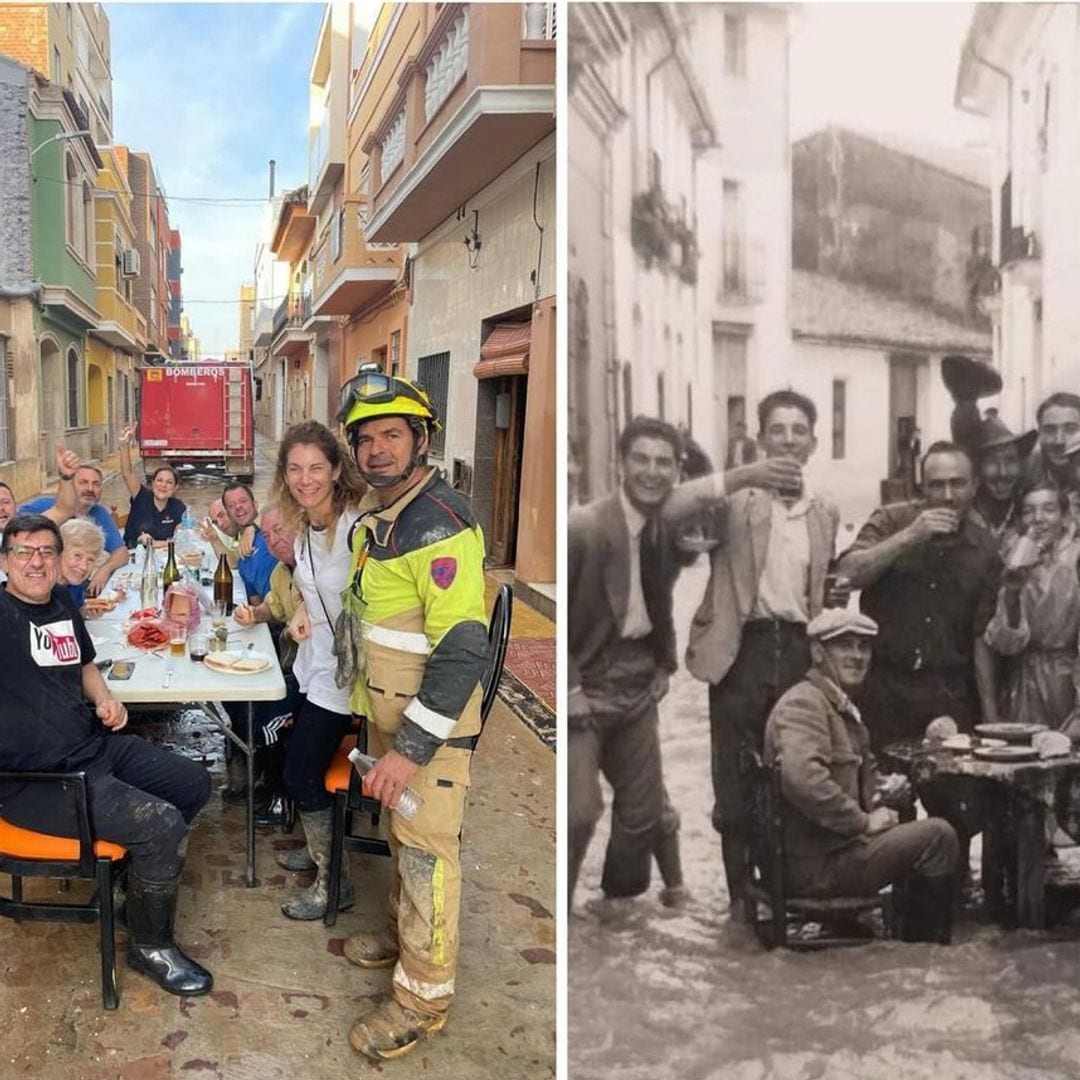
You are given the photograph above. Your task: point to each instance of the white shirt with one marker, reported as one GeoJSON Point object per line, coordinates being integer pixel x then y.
{"type": "Point", "coordinates": [636, 624]}
{"type": "Point", "coordinates": [315, 663]}
{"type": "Point", "coordinates": [784, 585]}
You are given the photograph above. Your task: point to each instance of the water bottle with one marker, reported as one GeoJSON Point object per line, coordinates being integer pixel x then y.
{"type": "Point", "coordinates": [188, 550]}
{"type": "Point", "coordinates": [148, 591]}
{"type": "Point", "coordinates": [409, 802]}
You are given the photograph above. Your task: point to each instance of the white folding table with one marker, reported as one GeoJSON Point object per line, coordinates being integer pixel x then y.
{"type": "Point", "coordinates": [160, 679]}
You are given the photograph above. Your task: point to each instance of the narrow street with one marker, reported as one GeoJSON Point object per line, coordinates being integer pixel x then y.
{"type": "Point", "coordinates": [663, 994]}
{"type": "Point", "coordinates": [284, 996]}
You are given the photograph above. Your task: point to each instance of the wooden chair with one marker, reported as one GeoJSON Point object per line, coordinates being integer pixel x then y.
{"type": "Point", "coordinates": [768, 886]}
{"type": "Point", "coordinates": [343, 782]}
{"type": "Point", "coordinates": [25, 853]}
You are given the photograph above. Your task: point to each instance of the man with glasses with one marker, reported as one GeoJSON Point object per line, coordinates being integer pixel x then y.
{"type": "Point", "coordinates": [59, 716]}
{"type": "Point", "coordinates": [418, 585]}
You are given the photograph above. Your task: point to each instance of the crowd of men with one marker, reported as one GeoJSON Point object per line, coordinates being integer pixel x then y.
{"type": "Point", "coordinates": [968, 608]}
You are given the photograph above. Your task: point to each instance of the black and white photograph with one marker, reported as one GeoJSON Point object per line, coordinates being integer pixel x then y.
{"type": "Point", "coordinates": [823, 540]}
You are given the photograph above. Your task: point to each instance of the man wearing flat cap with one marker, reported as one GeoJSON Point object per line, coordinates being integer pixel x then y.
{"type": "Point", "coordinates": [842, 835]}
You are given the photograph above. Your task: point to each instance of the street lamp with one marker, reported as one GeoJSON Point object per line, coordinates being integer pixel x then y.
{"type": "Point", "coordinates": [57, 137]}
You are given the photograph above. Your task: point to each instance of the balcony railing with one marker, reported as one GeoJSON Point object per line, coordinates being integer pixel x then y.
{"type": "Point", "coordinates": [661, 236]}
{"type": "Point", "coordinates": [539, 22]}
{"type": "Point", "coordinates": [289, 313]}
{"type": "Point", "coordinates": [114, 308]}
{"type": "Point", "coordinates": [393, 145]}
{"type": "Point", "coordinates": [445, 69]}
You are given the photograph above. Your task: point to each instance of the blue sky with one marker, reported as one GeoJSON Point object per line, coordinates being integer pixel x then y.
{"type": "Point", "coordinates": [213, 91]}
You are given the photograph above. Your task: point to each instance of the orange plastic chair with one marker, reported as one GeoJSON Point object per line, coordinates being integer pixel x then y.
{"type": "Point", "coordinates": [343, 783]}
{"type": "Point", "coordinates": [25, 853]}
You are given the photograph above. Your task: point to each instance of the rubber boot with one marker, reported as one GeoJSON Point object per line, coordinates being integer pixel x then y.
{"type": "Point", "coordinates": [372, 948]}
{"type": "Point", "coordinates": [235, 790]}
{"type": "Point", "coordinates": [297, 860]}
{"type": "Point", "coordinates": [928, 909]}
{"type": "Point", "coordinates": [674, 894]}
{"type": "Point", "coordinates": [391, 1030]}
{"type": "Point", "coordinates": [152, 951]}
{"type": "Point", "coordinates": [310, 904]}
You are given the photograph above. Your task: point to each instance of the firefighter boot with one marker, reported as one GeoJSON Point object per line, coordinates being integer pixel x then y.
{"type": "Point", "coordinates": [372, 948]}
{"type": "Point", "coordinates": [152, 951]}
{"type": "Point", "coordinates": [391, 1030]}
{"type": "Point", "coordinates": [296, 859]}
{"type": "Point", "coordinates": [310, 904]}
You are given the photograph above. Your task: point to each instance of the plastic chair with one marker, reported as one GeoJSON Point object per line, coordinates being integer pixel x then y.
{"type": "Point", "coordinates": [768, 886]}
{"type": "Point", "coordinates": [26, 853]}
{"type": "Point", "coordinates": [344, 784]}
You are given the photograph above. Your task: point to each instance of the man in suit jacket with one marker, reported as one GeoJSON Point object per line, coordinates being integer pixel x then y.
{"type": "Point", "coordinates": [748, 639]}
{"type": "Point", "coordinates": [622, 568]}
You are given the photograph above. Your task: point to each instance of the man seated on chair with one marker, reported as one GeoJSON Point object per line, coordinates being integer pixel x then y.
{"type": "Point", "coordinates": [59, 716]}
{"type": "Point", "coordinates": [842, 835]}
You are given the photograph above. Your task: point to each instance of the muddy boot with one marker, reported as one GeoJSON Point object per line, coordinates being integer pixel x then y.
{"type": "Point", "coordinates": [297, 860]}
{"type": "Point", "coordinates": [151, 916]}
{"type": "Point", "coordinates": [310, 904]}
{"type": "Point", "coordinates": [235, 790]}
{"type": "Point", "coordinates": [372, 949]}
{"type": "Point", "coordinates": [391, 1031]}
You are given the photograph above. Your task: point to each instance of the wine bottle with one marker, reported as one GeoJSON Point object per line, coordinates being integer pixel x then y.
{"type": "Point", "coordinates": [171, 573]}
{"type": "Point", "coordinates": [223, 584]}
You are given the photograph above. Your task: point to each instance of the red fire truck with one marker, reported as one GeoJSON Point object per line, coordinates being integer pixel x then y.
{"type": "Point", "coordinates": [199, 416]}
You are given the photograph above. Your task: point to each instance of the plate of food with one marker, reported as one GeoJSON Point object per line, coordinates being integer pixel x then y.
{"type": "Point", "coordinates": [148, 634]}
{"type": "Point", "coordinates": [1007, 755]}
{"type": "Point", "coordinates": [1010, 732]}
{"type": "Point", "coordinates": [234, 662]}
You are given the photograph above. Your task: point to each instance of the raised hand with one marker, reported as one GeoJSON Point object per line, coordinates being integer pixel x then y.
{"type": "Point", "coordinates": [782, 475]}
{"type": "Point", "coordinates": [934, 521]}
{"type": "Point", "coordinates": [67, 462]}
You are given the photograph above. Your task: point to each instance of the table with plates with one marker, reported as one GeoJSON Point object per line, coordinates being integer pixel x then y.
{"type": "Point", "coordinates": [1014, 798]}
{"type": "Point", "coordinates": [161, 679]}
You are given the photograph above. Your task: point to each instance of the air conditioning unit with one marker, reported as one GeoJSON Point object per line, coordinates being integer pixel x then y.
{"type": "Point", "coordinates": [129, 263]}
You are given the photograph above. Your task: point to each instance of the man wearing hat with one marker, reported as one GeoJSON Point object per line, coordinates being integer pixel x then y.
{"type": "Point", "coordinates": [999, 457]}
{"type": "Point", "coordinates": [842, 835]}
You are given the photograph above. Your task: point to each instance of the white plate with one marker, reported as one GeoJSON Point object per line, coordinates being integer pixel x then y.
{"type": "Point", "coordinates": [100, 639]}
{"type": "Point", "coordinates": [236, 662]}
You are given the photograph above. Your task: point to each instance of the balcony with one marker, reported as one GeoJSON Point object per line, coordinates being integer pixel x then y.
{"type": "Point", "coordinates": [350, 272]}
{"type": "Point", "coordinates": [662, 238]}
{"type": "Point", "coordinates": [294, 232]}
{"type": "Point", "coordinates": [288, 337]}
{"type": "Point", "coordinates": [475, 98]}
{"type": "Point", "coordinates": [120, 325]}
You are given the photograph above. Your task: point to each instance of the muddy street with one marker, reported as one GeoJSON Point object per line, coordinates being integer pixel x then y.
{"type": "Point", "coordinates": [687, 995]}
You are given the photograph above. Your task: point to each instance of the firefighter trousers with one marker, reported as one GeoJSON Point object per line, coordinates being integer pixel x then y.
{"type": "Point", "coordinates": [425, 893]}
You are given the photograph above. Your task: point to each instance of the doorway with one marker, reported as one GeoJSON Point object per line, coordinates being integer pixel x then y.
{"type": "Point", "coordinates": [510, 393]}
{"type": "Point", "coordinates": [51, 412]}
{"type": "Point", "coordinates": [903, 421]}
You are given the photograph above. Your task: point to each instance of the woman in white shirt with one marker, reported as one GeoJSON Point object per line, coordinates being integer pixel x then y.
{"type": "Point", "coordinates": [318, 487]}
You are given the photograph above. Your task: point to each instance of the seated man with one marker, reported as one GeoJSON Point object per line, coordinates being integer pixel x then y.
{"type": "Point", "coordinates": [255, 563]}
{"type": "Point", "coordinates": [219, 532]}
{"type": "Point", "coordinates": [842, 835]}
{"type": "Point", "coordinates": [58, 717]}
{"type": "Point", "coordinates": [272, 718]}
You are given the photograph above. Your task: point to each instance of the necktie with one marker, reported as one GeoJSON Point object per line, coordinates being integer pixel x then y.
{"type": "Point", "coordinates": [652, 574]}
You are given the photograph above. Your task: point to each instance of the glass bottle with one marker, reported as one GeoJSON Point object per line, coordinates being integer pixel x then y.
{"type": "Point", "coordinates": [148, 590]}
{"type": "Point", "coordinates": [223, 584]}
{"type": "Point", "coordinates": [171, 573]}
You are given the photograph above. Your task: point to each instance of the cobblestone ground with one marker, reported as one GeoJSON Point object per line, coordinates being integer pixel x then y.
{"type": "Point", "coordinates": [688, 996]}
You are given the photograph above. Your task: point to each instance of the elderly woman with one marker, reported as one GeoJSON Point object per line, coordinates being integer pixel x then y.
{"type": "Point", "coordinates": [1037, 621]}
{"type": "Point", "coordinates": [83, 544]}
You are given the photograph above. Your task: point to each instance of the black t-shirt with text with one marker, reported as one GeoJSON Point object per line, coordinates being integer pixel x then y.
{"type": "Point", "coordinates": [45, 723]}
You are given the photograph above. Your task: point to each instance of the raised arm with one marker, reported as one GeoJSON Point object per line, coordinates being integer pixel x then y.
{"type": "Point", "coordinates": [127, 470]}
{"type": "Point", "coordinates": [694, 496]}
{"type": "Point", "coordinates": [870, 557]}
{"type": "Point", "coordinates": [66, 505]}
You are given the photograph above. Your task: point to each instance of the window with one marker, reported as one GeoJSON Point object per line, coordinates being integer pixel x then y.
{"type": "Point", "coordinates": [74, 388]}
{"type": "Point", "coordinates": [690, 408]}
{"type": "Point", "coordinates": [89, 245]}
{"type": "Point", "coordinates": [660, 404]}
{"type": "Point", "coordinates": [337, 234]}
{"type": "Point", "coordinates": [395, 353]}
{"type": "Point", "coordinates": [433, 374]}
{"type": "Point", "coordinates": [56, 66]}
{"type": "Point", "coordinates": [735, 44]}
{"type": "Point", "coordinates": [839, 418]}
{"type": "Point", "coordinates": [733, 280]}
{"type": "Point", "coordinates": [628, 393]}
{"type": "Point", "coordinates": [656, 173]}
{"type": "Point", "coordinates": [73, 203]}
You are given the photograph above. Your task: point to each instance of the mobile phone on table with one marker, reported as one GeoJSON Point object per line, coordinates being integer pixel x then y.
{"type": "Point", "coordinates": [122, 669]}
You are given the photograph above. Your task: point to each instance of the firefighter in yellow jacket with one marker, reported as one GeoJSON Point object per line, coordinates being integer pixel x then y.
{"type": "Point", "coordinates": [418, 590]}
